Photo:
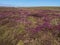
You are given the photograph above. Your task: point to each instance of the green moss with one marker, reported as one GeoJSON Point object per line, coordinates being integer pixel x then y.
{"type": "Point", "coordinates": [32, 19]}
{"type": "Point", "coordinates": [21, 28]}
{"type": "Point", "coordinates": [55, 21]}
{"type": "Point", "coordinates": [20, 43]}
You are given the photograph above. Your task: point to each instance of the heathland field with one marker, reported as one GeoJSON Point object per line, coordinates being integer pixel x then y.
{"type": "Point", "coordinates": [30, 26]}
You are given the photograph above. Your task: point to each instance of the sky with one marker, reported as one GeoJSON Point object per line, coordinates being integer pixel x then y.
{"type": "Point", "coordinates": [29, 3]}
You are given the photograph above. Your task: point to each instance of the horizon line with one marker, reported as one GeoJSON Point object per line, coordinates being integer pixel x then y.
{"type": "Point", "coordinates": [29, 6]}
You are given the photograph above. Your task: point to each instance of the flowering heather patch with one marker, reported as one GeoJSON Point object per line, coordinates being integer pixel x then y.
{"type": "Point", "coordinates": [29, 26]}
